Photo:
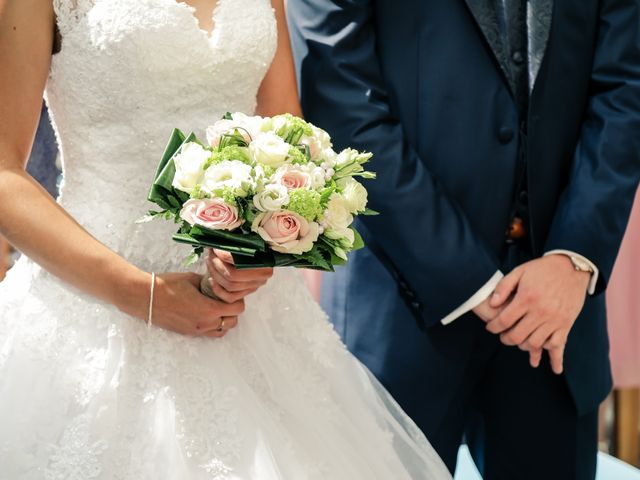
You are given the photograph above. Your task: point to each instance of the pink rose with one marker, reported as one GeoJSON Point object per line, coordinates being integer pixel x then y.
{"type": "Point", "coordinates": [286, 232]}
{"type": "Point", "coordinates": [292, 177]}
{"type": "Point", "coordinates": [212, 213]}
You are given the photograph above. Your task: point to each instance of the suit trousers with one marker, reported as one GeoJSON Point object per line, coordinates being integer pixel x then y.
{"type": "Point", "coordinates": [520, 422]}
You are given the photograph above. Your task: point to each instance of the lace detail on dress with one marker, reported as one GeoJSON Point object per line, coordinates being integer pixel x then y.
{"type": "Point", "coordinates": [130, 71]}
{"type": "Point", "coordinates": [69, 12]}
{"type": "Point", "coordinates": [76, 457]}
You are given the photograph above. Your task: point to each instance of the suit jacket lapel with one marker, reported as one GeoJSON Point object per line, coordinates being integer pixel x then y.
{"type": "Point", "coordinates": [539, 17]}
{"type": "Point", "coordinates": [486, 16]}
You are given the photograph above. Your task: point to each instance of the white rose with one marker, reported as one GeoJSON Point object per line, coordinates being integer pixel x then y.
{"type": "Point", "coordinates": [272, 198]}
{"type": "Point", "coordinates": [355, 196]}
{"type": "Point", "coordinates": [189, 163]}
{"type": "Point", "coordinates": [322, 137]}
{"type": "Point", "coordinates": [317, 176]}
{"type": "Point", "coordinates": [232, 174]}
{"type": "Point", "coordinates": [329, 157]}
{"type": "Point", "coordinates": [217, 130]}
{"type": "Point", "coordinates": [248, 127]}
{"type": "Point", "coordinates": [315, 148]}
{"type": "Point", "coordinates": [275, 123]}
{"type": "Point", "coordinates": [251, 124]}
{"type": "Point", "coordinates": [269, 149]}
{"type": "Point", "coordinates": [318, 142]}
{"type": "Point", "coordinates": [337, 219]}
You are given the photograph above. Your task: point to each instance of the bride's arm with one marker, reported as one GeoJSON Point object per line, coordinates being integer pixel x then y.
{"type": "Point", "coordinates": [32, 221]}
{"type": "Point", "coordinates": [279, 90]}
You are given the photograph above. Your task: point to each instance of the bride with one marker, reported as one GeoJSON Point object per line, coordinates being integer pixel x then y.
{"type": "Point", "coordinates": [87, 389]}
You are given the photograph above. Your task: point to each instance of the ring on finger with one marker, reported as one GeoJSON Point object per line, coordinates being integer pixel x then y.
{"type": "Point", "coordinates": [221, 326]}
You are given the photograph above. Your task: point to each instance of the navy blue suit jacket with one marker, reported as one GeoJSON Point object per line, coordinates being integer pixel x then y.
{"type": "Point", "coordinates": [420, 84]}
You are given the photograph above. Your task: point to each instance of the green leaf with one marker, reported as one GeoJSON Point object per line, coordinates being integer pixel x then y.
{"type": "Point", "coordinates": [316, 258]}
{"type": "Point", "coordinates": [358, 242]}
{"type": "Point", "coordinates": [259, 260]}
{"type": "Point", "coordinates": [365, 175]}
{"type": "Point", "coordinates": [150, 216]}
{"type": "Point", "coordinates": [368, 212]}
{"type": "Point", "coordinates": [326, 193]}
{"type": "Point", "coordinates": [173, 145]}
{"type": "Point", "coordinates": [174, 202]}
{"type": "Point", "coordinates": [211, 243]}
{"type": "Point", "coordinates": [227, 116]}
{"type": "Point", "coordinates": [194, 256]}
{"type": "Point", "coordinates": [250, 240]}
{"type": "Point", "coordinates": [162, 188]}
{"type": "Point", "coordinates": [283, 259]}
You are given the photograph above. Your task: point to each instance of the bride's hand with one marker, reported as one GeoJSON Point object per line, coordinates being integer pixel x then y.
{"type": "Point", "coordinates": [179, 306]}
{"type": "Point", "coordinates": [230, 284]}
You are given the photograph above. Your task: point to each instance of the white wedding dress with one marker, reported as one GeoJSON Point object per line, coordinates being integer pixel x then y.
{"type": "Point", "coordinates": [87, 392]}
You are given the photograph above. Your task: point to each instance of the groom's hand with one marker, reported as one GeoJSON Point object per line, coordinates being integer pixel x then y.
{"type": "Point", "coordinates": [230, 284]}
{"type": "Point", "coordinates": [486, 312]}
{"type": "Point", "coordinates": [547, 295]}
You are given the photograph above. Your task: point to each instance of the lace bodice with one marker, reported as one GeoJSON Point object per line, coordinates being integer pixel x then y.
{"type": "Point", "coordinates": [128, 72]}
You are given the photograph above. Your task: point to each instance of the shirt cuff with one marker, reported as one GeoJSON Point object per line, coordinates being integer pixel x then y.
{"type": "Point", "coordinates": [479, 297]}
{"type": "Point", "coordinates": [594, 276]}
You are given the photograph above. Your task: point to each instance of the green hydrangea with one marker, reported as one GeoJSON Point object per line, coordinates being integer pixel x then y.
{"type": "Point", "coordinates": [305, 203]}
{"type": "Point", "coordinates": [232, 152]}
{"type": "Point", "coordinates": [296, 156]}
{"type": "Point", "coordinates": [294, 128]}
{"type": "Point", "coordinates": [293, 122]}
{"type": "Point", "coordinates": [198, 192]}
{"type": "Point", "coordinates": [227, 194]}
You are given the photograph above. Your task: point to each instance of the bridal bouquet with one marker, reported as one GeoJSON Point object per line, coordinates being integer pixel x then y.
{"type": "Point", "coordinates": [271, 191]}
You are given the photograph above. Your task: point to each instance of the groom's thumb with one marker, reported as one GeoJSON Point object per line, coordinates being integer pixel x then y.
{"type": "Point", "coordinates": [505, 288]}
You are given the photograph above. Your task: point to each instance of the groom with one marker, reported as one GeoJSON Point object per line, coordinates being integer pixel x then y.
{"type": "Point", "coordinates": [506, 136]}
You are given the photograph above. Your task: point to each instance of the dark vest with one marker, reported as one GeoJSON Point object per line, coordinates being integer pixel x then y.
{"type": "Point", "coordinates": [513, 22]}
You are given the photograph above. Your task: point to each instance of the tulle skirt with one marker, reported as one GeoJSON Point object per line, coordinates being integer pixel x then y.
{"type": "Point", "coordinates": [87, 392]}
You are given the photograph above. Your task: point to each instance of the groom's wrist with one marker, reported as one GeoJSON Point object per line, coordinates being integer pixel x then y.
{"type": "Point", "coordinates": [581, 265]}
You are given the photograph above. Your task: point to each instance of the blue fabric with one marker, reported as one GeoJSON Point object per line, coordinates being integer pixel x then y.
{"type": "Point", "coordinates": [416, 83]}
{"type": "Point", "coordinates": [609, 468]}
{"type": "Point", "coordinates": [42, 161]}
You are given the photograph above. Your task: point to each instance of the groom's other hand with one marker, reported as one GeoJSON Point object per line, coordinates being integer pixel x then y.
{"type": "Point", "coordinates": [230, 284]}
{"type": "Point", "coordinates": [541, 299]}
{"type": "Point", "coordinates": [486, 312]}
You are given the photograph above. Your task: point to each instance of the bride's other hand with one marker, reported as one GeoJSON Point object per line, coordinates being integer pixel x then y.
{"type": "Point", "coordinates": [230, 284]}
{"type": "Point", "coordinates": [179, 306]}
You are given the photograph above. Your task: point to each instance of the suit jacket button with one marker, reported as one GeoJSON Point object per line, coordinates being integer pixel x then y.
{"type": "Point", "coordinates": [524, 197]}
{"type": "Point", "coordinates": [505, 135]}
{"type": "Point", "coordinates": [517, 57]}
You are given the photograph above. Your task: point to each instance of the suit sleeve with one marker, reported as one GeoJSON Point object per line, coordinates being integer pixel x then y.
{"type": "Point", "coordinates": [594, 208]}
{"type": "Point", "coordinates": [421, 230]}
